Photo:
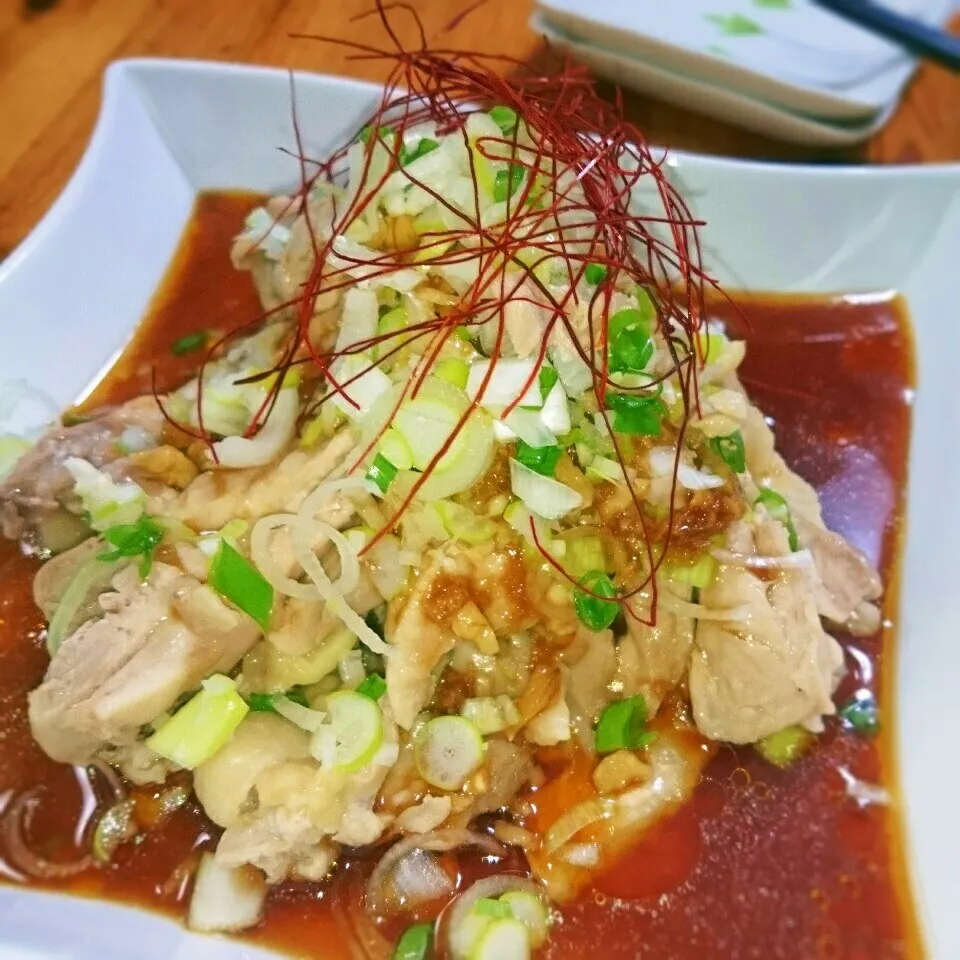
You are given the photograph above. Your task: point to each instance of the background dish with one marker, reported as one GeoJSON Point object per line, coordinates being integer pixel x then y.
{"type": "Point", "coordinates": [794, 53]}
{"type": "Point", "coordinates": [163, 135]}
{"type": "Point", "coordinates": [702, 95]}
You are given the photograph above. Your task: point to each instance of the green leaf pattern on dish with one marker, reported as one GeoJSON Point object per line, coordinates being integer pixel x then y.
{"type": "Point", "coordinates": [734, 24]}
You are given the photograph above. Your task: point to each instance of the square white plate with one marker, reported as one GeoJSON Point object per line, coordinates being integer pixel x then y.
{"type": "Point", "coordinates": [788, 53]}
{"type": "Point", "coordinates": [72, 293]}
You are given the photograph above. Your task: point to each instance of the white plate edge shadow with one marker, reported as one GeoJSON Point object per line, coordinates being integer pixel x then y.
{"type": "Point", "coordinates": [944, 177]}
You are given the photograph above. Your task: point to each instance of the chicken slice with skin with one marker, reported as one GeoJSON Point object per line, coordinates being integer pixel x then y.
{"type": "Point", "coordinates": [218, 496]}
{"type": "Point", "coordinates": [157, 640]}
{"type": "Point", "coordinates": [39, 484]}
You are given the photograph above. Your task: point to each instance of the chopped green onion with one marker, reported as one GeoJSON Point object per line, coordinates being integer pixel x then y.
{"type": "Point", "coordinates": [357, 727]}
{"type": "Point", "coordinates": [542, 460]}
{"type": "Point", "coordinates": [594, 611]}
{"type": "Point", "coordinates": [189, 343]}
{"type": "Point", "coordinates": [447, 750]}
{"type": "Point", "coordinates": [463, 524]}
{"type": "Point", "coordinates": [630, 344]}
{"type": "Point", "coordinates": [548, 378]}
{"type": "Point", "coordinates": [373, 686]}
{"type": "Point", "coordinates": [488, 907]}
{"type": "Point", "coordinates": [382, 472]}
{"type": "Point", "coordinates": [532, 912]}
{"type": "Point", "coordinates": [697, 573]}
{"type": "Point", "coordinates": [583, 555]}
{"type": "Point", "coordinates": [266, 702]}
{"type": "Point", "coordinates": [862, 713]}
{"type": "Point", "coordinates": [486, 713]}
{"type": "Point", "coordinates": [784, 746]}
{"type": "Point", "coordinates": [202, 725]}
{"type": "Point", "coordinates": [637, 415]}
{"type": "Point", "coordinates": [595, 273]}
{"type": "Point", "coordinates": [623, 726]}
{"type": "Point", "coordinates": [423, 147]}
{"type": "Point", "coordinates": [507, 182]}
{"type": "Point", "coordinates": [392, 321]}
{"type": "Point", "coordinates": [237, 579]}
{"type": "Point", "coordinates": [382, 133]}
{"type": "Point", "coordinates": [415, 943]}
{"type": "Point", "coordinates": [648, 310]}
{"type": "Point", "coordinates": [731, 451]}
{"type": "Point", "coordinates": [453, 371]}
{"type": "Point", "coordinates": [712, 344]}
{"type": "Point", "coordinates": [395, 449]}
{"type": "Point", "coordinates": [504, 118]}
{"type": "Point", "coordinates": [139, 539]}
{"type": "Point", "coordinates": [503, 938]}
{"type": "Point", "coordinates": [778, 508]}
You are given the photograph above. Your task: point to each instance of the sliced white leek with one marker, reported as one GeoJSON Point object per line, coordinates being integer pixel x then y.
{"type": "Point", "coordinates": [447, 750]}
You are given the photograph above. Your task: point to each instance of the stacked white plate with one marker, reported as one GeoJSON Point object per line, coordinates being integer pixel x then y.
{"type": "Point", "coordinates": [785, 68]}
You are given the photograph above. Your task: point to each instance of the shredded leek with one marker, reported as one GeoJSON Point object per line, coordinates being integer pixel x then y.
{"type": "Point", "coordinates": [453, 371]}
{"type": "Point", "coordinates": [202, 725]}
{"type": "Point", "coordinates": [447, 750]}
{"type": "Point", "coordinates": [463, 524]}
{"type": "Point", "coordinates": [357, 725]}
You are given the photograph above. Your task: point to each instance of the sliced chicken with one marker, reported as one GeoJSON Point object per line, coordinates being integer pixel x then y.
{"type": "Point", "coordinates": [777, 668]}
{"type": "Point", "coordinates": [218, 496]}
{"type": "Point", "coordinates": [592, 663]}
{"type": "Point", "coordinates": [156, 640]}
{"type": "Point", "coordinates": [653, 660]}
{"type": "Point", "coordinates": [508, 767]}
{"type": "Point", "coordinates": [282, 843]}
{"type": "Point", "coordinates": [418, 641]}
{"type": "Point", "coordinates": [847, 578]}
{"type": "Point", "coordinates": [40, 484]}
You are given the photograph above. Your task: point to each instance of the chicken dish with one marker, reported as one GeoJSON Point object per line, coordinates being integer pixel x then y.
{"type": "Point", "coordinates": [466, 558]}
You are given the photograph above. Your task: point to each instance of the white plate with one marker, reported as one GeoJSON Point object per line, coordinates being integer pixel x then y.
{"type": "Point", "coordinates": [705, 97]}
{"type": "Point", "coordinates": [790, 53]}
{"type": "Point", "coordinates": [72, 293]}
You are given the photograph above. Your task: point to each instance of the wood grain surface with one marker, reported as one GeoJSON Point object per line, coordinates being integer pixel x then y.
{"type": "Point", "coordinates": [53, 53]}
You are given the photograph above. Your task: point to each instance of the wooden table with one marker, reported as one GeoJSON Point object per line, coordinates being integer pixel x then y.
{"type": "Point", "coordinates": [51, 61]}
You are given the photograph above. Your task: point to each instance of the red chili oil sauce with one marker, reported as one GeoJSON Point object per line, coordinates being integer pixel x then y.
{"type": "Point", "coordinates": [763, 863]}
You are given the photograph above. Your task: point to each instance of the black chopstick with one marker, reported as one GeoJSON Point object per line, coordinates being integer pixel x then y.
{"type": "Point", "coordinates": [921, 40]}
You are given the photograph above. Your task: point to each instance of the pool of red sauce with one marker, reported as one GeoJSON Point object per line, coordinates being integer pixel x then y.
{"type": "Point", "coordinates": [762, 863]}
